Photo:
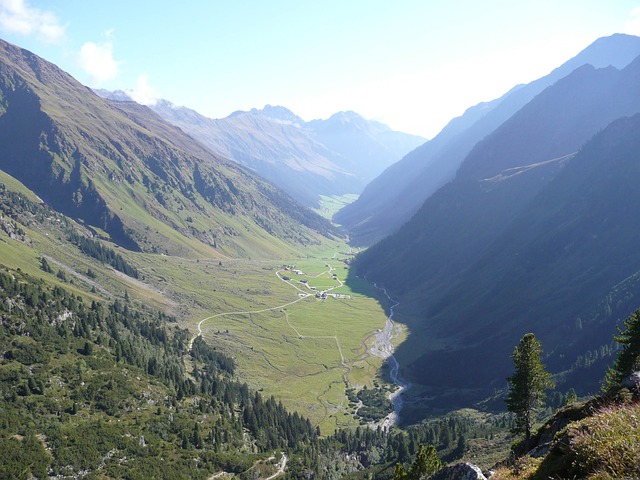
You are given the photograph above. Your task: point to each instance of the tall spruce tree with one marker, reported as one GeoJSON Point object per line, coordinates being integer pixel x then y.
{"type": "Point", "coordinates": [424, 465]}
{"type": "Point", "coordinates": [528, 384]}
{"type": "Point", "coordinates": [628, 360]}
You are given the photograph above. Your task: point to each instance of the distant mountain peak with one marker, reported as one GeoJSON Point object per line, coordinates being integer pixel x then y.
{"type": "Point", "coordinates": [117, 95]}
{"type": "Point", "coordinates": [351, 117]}
{"type": "Point", "coordinates": [166, 103]}
{"type": "Point", "coordinates": [347, 116]}
{"type": "Point", "coordinates": [278, 113]}
{"type": "Point", "coordinates": [306, 159]}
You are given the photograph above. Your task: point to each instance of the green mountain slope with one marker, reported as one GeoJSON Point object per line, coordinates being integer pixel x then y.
{"type": "Point", "coordinates": [306, 159]}
{"type": "Point", "coordinates": [129, 175]}
{"type": "Point", "coordinates": [95, 382]}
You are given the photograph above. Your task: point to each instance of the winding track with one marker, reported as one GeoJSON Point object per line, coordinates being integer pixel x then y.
{"type": "Point", "coordinates": [305, 294]}
{"type": "Point", "coordinates": [382, 348]}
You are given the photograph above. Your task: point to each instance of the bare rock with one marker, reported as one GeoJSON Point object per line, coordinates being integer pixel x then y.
{"type": "Point", "coordinates": [459, 471]}
{"type": "Point", "coordinates": [632, 382]}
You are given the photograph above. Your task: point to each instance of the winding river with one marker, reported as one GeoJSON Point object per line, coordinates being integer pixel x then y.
{"type": "Point", "coordinates": [383, 348]}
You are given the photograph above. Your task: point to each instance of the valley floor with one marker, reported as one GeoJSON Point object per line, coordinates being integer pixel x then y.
{"type": "Point", "coordinates": [299, 333]}
{"type": "Point", "coordinates": [312, 353]}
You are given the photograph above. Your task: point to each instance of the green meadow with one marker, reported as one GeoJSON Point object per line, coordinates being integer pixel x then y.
{"type": "Point", "coordinates": [330, 204]}
{"type": "Point", "coordinates": [303, 350]}
{"type": "Point", "coordinates": [306, 351]}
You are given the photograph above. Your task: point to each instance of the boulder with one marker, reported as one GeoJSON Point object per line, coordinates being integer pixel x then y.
{"type": "Point", "coordinates": [632, 382]}
{"type": "Point", "coordinates": [459, 471]}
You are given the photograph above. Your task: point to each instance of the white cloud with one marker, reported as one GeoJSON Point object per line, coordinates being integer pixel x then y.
{"type": "Point", "coordinates": [633, 24]}
{"type": "Point", "coordinates": [144, 93]}
{"type": "Point", "coordinates": [17, 16]}
{"type": "Point", "coordinates": [97, 60]}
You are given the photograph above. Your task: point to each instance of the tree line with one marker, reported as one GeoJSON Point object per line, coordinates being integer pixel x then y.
{"type": "Point", "coordinates": [97, 250]}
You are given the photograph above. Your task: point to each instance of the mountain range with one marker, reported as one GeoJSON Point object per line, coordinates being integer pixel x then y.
{"type": "Point", "coordinates": [112, 220]}
{"type": "Point", "coordinates": [336, 156]}
{"type": "Point", "coordinates": [519, 217]}
{"type": "Point", "coordinates": [396, 195]}
{"type": "Point", "coordinates": [535, 233]}
{"type": "Point", "coordinates": [133, 178]}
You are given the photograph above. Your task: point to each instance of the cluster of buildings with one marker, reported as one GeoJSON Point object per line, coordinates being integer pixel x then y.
{"type": "Point", "coordinates": [292, 268]}
{"type": "Point", "coordinates": [320, 294]}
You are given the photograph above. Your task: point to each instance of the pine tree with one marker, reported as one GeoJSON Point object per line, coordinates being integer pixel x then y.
{"type": "Point", "coordinates": [528, 384]}
{"type": "Point", "coordinates": [399, 472]}
{"type": "Point", "coordinates": [44, 265]}
{"type": "Point", "coordinates": [628, 360]}
{"type": "Point", "coordinates": [87, 349]}
{"type": "Point", "coordinates": [425, 464]}
{"type": "Point", "coordinates": [197, 441]}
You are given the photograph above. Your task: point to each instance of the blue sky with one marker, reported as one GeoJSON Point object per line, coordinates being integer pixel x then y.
{"type": "Point", "coordinates": [413, 64]}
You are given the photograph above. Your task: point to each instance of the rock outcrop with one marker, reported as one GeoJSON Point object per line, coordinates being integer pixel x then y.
{"type": "Point", "coordinates": [632, 382]}
{"type": "Point", "coordinates": [459, 471]}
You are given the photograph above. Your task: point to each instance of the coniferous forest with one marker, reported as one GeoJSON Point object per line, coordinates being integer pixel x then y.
{"type": "Point", "coordinates": [95, 387]}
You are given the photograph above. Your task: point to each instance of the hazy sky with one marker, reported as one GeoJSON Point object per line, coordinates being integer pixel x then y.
{"type": "Point", "coordinates": [413, 64]}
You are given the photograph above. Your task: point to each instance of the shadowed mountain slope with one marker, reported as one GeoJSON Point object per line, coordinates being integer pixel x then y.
{"type": "Point", "coordinates": [393, 197]}
{"type": "Point", "coordinates": [456, 273]}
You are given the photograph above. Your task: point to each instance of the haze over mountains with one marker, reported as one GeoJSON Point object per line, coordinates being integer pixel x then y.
{"type": "Point", "coordinates": [336, 156]}
{"type": "Point", "coordinates": [137, 180]}
{"type": "Point", "coordinates": [535, 233]}
{"type": "Point", "coordinates": [393, 197]}
{"type": "Point", "coordinates": [444, 264]}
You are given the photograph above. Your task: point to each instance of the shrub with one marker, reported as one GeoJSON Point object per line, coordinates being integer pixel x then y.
{"type": "Point", "coordinates": [607, 445]}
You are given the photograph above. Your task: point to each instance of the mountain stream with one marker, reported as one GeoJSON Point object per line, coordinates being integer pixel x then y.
{"type": "Point", "coordinates": [383, 348]}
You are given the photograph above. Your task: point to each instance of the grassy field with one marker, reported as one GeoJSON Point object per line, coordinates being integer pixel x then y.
{"type": "Point", "coordinates": [303, 350]}
{"type": "Point", "coordinates": [329, 205]}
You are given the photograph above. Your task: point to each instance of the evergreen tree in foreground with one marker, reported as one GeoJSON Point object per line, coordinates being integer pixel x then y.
{"type": "Point", "coordinates": [628, 360]}
{"type": "Point", "coordinates": [425, 464]}
{"type": "Point", "coordinates": [528, 384]}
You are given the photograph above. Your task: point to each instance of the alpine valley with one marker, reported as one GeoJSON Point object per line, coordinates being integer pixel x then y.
{"type": "Point", "coordinates": [307, 160]}
{"type": "Point", "coordinates": [176, 300]}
